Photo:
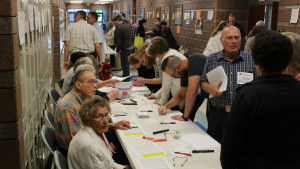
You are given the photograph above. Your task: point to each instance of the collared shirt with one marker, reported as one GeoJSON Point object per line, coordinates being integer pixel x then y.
{"type": "Point", "coordinates": [82, 37]}
{"type": "Point", "coordinates": [67, 121]}
{"type": "Point", "coordinates": [243, 63]}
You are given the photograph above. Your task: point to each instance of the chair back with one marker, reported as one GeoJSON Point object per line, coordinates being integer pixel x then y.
{"type": "Point", "coordinates": [49, 118]}
{"type": "Point", "coordinates": [61, 162]}
{"type": "Point", "coordinates": [49, 138]}
{"type": "Point", "coordinates": [54, 95]}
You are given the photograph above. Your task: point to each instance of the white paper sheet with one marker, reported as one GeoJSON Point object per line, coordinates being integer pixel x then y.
{"type": "Point", "coordinates": [120, 118]}
{"type": "Point", "coordinates": [139, 89]}
{"type": "Point", "coordinates": [119, 78]}
{"type": "Point", "coordinates": [210, 15]}
{"type": "Point", "coordinates": [294, 15]}
{"type": "Point", "coordinates": [148, 150]}
{"type": "Point", "coordinates": [201, 141]}
{"type": "Point", "coordinates": [106, 89]}
{"type": "Point", "coordinates": [117, 110]}
{"type": "Point", "coordinates": [153, 163]}
{"type": "Point", "coordinates": [21, 19]}
{"type": "Point", "coordinates": [215, 76]}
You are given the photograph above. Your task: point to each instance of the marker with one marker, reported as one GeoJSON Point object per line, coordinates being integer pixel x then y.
{"type": "Point", "coordinates": [167, 123]}
{"type": "Point", "coordinates": [160, 131]}
{"type": "Point", "coordinates": [148, 138]}
{"type": "Point", "coordinates": [134, 126]}
{"type": "Point", "coordinates": [202, 151]}
{"type": "Point", "coordinates": [187, 154]}
{"type": "Point", "coordinates": [159, 140]}
{"type": "Point", "coordinates": [132, 100]}
{"type": "Point", "coordinates": [146, 111]}
{"type": "Point", "coordinates": [129, 103]}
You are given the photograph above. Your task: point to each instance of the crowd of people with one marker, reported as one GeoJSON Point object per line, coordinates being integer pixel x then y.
{"type": "Point", "coordinates": [255, 119]}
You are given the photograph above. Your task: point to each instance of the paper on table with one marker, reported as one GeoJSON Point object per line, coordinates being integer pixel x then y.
{"type": "Point", "coordinates": [153, 107]}
{"type": "Point", "coordinates": [215, 76]}
{"type": "Point", "coordinates": [106, 89]}
{"type": "Point", "coordinates": [119, 78]}
{"type": "Point", "coordinates": [132, 131]}
{"type": "Point", "coordinates": [200, 141]}
{"type": "Point", "coordinates": [138, 89]}
{"type": "Point", "coordinates": [117, 110]}
{"type": "Point", "coordinates": [153, 163]}
{"type": "Point", "coordinates": [120, 118]}
{"type": "Point", "coordinates": [148, 150]}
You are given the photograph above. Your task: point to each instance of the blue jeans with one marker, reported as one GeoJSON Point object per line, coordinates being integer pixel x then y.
{"type": "Point", "coordinates": [124, 62]}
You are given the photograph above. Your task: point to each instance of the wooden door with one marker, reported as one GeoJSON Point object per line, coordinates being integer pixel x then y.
{"type": "Point", "coordinates": [255, 14]}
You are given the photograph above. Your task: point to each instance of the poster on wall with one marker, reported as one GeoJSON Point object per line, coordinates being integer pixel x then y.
{"type": "Point", "coordinates": [178, 14]}
{"type": "Point", "coordinates": [143, 13]}
{"type": "Point", "coordinates": [188, 18]}
{"type": "Point", "coordinates": [198, 27]}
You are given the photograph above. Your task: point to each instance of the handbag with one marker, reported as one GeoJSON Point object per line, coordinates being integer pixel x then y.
{"type": "Point", "coordinates": [138, 41]}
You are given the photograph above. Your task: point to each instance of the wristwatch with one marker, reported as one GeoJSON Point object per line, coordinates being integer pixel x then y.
{"type": "Point", "coordinates": [185, 118]}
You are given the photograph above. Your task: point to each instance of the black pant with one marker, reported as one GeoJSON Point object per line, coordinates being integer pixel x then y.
{"type": "Point", "coordinates": [77, 55]}
{"type": "Point", "coordinates": [216, 118]}
{"type": "Point", "coordinates": [112, 57]}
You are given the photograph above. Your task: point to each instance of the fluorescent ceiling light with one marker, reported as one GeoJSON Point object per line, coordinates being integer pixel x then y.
{"type": "Point", "coordinates": [75, 2]}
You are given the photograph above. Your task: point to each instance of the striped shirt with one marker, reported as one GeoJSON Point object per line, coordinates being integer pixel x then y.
{"type": "Point", "coordinates": [243, 63]}
{"type": "Point", "coordinates": [82, 37]}
{"type": "Point", "coordinates": [67, 121]}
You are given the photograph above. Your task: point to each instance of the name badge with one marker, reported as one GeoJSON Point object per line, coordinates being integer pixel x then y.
{"type": "Point", "coordinates": [243, 77]}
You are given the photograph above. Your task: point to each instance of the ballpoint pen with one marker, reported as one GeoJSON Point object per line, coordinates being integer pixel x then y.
{"type": "Point", "coordinates": [187, 154]}
{"type": "Point", "coordinates": [184, 162]}
{"type": "Point", "coordinates": [146, 110]}
{"type": "Point", "coordinates": [167, 123]}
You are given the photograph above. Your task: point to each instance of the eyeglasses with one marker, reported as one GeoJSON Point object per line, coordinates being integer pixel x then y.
{"type": "Point", "coordinates": [91, 82]}
{"type": "Point", "coordinates": [232, 37]}
{"type": "Point", "coordinates": [101, 116]}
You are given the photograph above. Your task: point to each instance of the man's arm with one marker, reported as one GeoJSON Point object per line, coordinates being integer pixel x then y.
{"type": "Point", "coordinates": [174, 101]}
{"type": "Point", "coordinates": [98, 49]}
{"type": "Point", "coordinates": [66, 55]}
{"type": "Point", "coordinates": [141, 81]}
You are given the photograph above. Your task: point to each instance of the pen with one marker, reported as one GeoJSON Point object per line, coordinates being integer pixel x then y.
{"type": "Point", "coordinates": [134, 126]}
{"type": "Point", "coordinates": [187, 154]}
{"type": "Point", "coordinates": [160, 131]}
{"type": "Point", "coordinates": [167, 123]}
{"type": "Point", "coordinates": [132, 100]}
{"type": "Point", "coordinates": [184, 162]}
{"type": "Point", "coordinates": [146, 111]}
{"type": "Point", "coordinates": [117, 115]}
{"type": "Point", "coordinates": [202, 151]}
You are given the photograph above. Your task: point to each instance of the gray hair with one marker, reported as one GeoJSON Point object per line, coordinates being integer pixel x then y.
{"type": "Point", "coordinates": [229, 27]}
{"type": "Point", "coordinates": [89, 106]}
{"type": "Point", "coordinates": [87, 67]}
{"type": "Point", "coordinates": [83, 60]}
{"type": "Point", "coordinates": [260, 23]}
{"type": "Point", "coordinates": [170, 62]}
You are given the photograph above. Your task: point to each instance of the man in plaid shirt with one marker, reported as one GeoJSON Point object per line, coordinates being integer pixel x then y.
{"type": "Point", "coordinates": [237, 64]}
{"type": "Point", "coordinates": [67, 121]}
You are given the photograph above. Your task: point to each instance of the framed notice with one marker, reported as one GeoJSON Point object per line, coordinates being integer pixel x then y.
{"type": "Point", "coordinates": [167, 14]}
{"type": "Point", "coordinates": [157, 12]}
{"type": "Point", "coordinates": [178, 14]}
{"type": "Point", "coordinates": [143, 13]}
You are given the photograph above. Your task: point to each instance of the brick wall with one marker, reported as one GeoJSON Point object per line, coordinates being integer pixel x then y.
{"type": "Point", "coordinates": [187, 37]}
{"type": "Point", "coordinates": [11, 136]}
{"type": "Point", "coordinates": [284, 15]}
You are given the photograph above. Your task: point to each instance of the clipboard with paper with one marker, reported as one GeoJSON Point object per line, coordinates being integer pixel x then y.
{"type": "Point", "coordinates": [215, 76]}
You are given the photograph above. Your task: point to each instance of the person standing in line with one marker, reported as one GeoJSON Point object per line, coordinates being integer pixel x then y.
{"type": "Point", "coordinates": [141, 29]}
{"type": "Point", "coordinates": [232, 22]}
{"type": "Point", "coordinates": [92, 19]}
{"type": "Point", "coordinates": [167, 34]}
{"type": "Point", "coordinates": [110, 41]}
{"type": "Point", "coordinates": [81, 39]}
{"type": "Point", "coordinates": [239, 69]}
{"type": "Point", "coordinates": [262, 129]}
{"type": "Point", "coordinates": [214, 43]}
{"type": "Point", "coordinates": [124, 43]}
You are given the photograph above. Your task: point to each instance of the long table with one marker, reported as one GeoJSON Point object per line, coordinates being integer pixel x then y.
{"type": "Point", "coordinates": [130, 141]}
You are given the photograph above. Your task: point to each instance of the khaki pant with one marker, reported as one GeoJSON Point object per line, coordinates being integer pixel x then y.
{"type": "Point", "coordinates": [118, 61]}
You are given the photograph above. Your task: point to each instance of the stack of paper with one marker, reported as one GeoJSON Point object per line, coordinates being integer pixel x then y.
{"type": "Point", "coordinates": [217, 75]}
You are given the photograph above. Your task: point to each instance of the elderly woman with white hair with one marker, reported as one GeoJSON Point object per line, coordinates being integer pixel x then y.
{"type": "Point", "coordinates": [89, 148]}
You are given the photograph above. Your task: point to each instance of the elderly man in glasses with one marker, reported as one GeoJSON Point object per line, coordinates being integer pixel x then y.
{"type": "Point", "coordinates": [67, 122]}
{"type": "Point", "coordinates": [189, 71]}
{"type": "Point", "coordinates": [90, 148]}
{"type": "Point", "coordinates": [239, 69]}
